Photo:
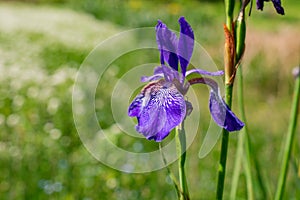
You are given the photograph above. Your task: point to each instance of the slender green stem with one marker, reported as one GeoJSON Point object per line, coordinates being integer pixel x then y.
{"type": "Point", "coordinates": [249, 179]}
{"type": "Point", "coordinates": [242, 144]}
{"type": "Point", "coordinates": [243, 134]}
{"type": "Point", "coordinates": [263, 182]}
{"type": "Point", "coordinates": [289, 141]}
{"type": "Point", "coordinates": [224, 148]}
{"type": "Point", "coordinates": [241, 138]}
{"type": "Point", "coordinates": [181, 151]}
{"type": "Point", "coordinates": [237, 166]}
{"type": "Point", "coordinates": [171, 175]}
{"type": "Point", "coordinates": [229, 66]}
{"type": "Point", "coordinates": [240, 34]}
{"type": "Point", "coordinates": [229, 8]}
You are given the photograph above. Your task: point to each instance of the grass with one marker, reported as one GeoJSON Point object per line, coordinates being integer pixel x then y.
{"type": "Point", "coordinates": [41, 155]}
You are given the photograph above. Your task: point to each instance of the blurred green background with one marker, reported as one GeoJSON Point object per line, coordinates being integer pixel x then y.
{"type": "Point", "coordinates": [43, 43]}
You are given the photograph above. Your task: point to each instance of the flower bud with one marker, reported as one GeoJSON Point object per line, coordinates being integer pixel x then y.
{"type": "Point", "coordinates": [229, 56]}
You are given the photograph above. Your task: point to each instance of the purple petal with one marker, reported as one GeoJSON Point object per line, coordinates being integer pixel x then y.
{"type": "Point", "coordinates": [135, 107]}
{"type": "Point", "coordinates": [259, 4]}
{"type": "Point", "coordinates": [158, 70]}
{"type": "Point", "coordinates": [169, 73]}
{"type": "Point", "coordinates": [160, 107]}
{"type": "Point", "coordinates": [278, 7]}
{"type": "Point", "coordinates": [204, 72]}
{"type": "Point", "coordinates": [167, 44]}
{"type": "Point", "coordinates": [185, 44]}
{"type": "Point", "coordinates": [222, 114]}
{"type": "Point", "coordinates": [276, 3]}
{"type": "Point", "coordinates": [207, 81]}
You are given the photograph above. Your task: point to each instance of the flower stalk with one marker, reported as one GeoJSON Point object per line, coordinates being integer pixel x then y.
{"type": "Point", "coordinates": [224, 148]}
{"type": "Point", "coordinates": [229, 8]}
{"type": "Point", "coordinates": [229, 54]}
{"type": "Point", "coordinates": [290, 138]}
{"type": "Point", "coordinates": [181, 152]}
{"type": "Point", "coordinates": [171, 175]}
{"type": "Point", "coordinates": [243, 159]}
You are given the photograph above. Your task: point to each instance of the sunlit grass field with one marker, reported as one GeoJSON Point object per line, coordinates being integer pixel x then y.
{"type": "Point", "coordinates": [42, 45]}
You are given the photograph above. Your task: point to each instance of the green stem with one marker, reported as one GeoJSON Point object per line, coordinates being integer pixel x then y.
{"type": "Point", "coordinates": [240, 34]}
{"type": "Point", "coordinates": [224, 148]}
{"type": "Point", "coordinates": [171, 175]}
{"type": "Point", "coordinates": [263, 182]}
{"type": "Point", "coordinates": [242, 143]}
{"type": "Point", "coordinates": [181, 151]}
{"type": "Point", "coordinates": [229, 8]}
{"type": "Point", "coordinates": [248, 174]}
{"type": "Point", "coordinates": [241, 138]}
{"type": "Point", "coordinates": [243, 134]}
{"type": "Point", "coordinates": [237, 166]}
{"type": "Point", "coordinates": [229, 66]}
{"type": "Point", "coordinates": [289, 141]}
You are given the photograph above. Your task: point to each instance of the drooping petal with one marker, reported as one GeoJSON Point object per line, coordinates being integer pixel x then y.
{"type": "Point", "coordinates": [167, 44]}
{"type": "Point", "coordinates": [204, 72]}
{"type": "Point", "coordinates": [222, 114]}
{"type": "Point", "coordinates": [160, 107]}
{"type": "Point", "coordinates": [278, 7]}
{"type": "Point", "coordinates": [185, 44]}
{"type": "Point", "coordinates": [219, 110]}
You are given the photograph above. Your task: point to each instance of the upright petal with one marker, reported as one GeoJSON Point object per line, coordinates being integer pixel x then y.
{"type": "Point", "coordinates": [162, 108]}
{"type": "Point", "coordinates": [167, 44]}
{"type": "Point", "coordinates": [222, 114]}
{"type": "Point", "coordinates": [185, 44]}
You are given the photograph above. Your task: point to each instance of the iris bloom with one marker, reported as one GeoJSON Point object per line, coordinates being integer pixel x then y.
{"type": "Point", "coordinates": [276, 3]}
{"type": "Point", "coordinates": [161, 105]}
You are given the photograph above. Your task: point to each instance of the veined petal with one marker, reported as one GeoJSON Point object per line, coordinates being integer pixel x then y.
{"type": "Point", "coordinates": [204, 72]}
{"type": "Point", "coordinates": [135, 107]}
{"type": "Point", "coordinates": [160, 107]}
{"type": "Point", "coordinates": [222, 114]}
{"type": "Point", "coordinates": [167, 44]}
{"type": "Point", "coordinates": [185, 44]}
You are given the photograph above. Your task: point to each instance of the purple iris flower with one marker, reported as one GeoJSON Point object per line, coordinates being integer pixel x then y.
{"type": "Point", "coordinates": [161, 105]}
{"type": "Point", "coordinates": [276, 3]}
